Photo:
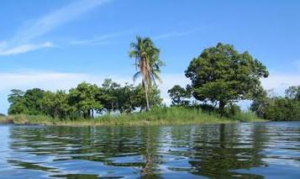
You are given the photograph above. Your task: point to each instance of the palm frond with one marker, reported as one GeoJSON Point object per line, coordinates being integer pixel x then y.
{"type": "Point", "coordinates": [136, 76]}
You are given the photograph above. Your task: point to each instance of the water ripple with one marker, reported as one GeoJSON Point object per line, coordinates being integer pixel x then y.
{"type": "Point", "coordinates": [247, 150]}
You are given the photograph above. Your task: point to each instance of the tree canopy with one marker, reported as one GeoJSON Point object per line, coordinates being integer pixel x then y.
{"type": "Point", "coordinates": [179, 95]}
{"type": "Point", "coordinates": [293, 93]}
{"type": "Point", "coordinates": [223, 75]}
{"type": "Point", "coordinates": [220, 75]}
{"type": "Point", "coordinates": [278, 108]}
{"type": "Point", "coordinates": [83, 101]}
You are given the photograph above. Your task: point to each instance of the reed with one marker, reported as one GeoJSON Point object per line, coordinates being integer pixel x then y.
{"type": "Point", "coordinates": [159, 116]}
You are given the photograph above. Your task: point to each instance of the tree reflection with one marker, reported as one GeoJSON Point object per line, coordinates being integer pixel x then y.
{"type": "Point", "coordinates": [150, 152]}
{"type": "Point", "coordinates": [214, 151]}
{"type": "Point", "coordinates": [233, 149]}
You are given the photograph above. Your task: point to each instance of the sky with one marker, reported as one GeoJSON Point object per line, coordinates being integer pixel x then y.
{"type": "Point", "coordinates": [56, 44]}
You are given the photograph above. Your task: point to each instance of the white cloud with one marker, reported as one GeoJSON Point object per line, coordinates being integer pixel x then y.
{"type": "Point", "coordinates": [99, 40]}
{"type": "Point", "coordinates": [23, 41]}
{"type": "Point", "coordinates": [54, 81]}
{"type": "Point", "coordinates": [45, 80]}
{"type": "Point", "coordinates": [51, 80]}
{"type": "Point", "coordinates": [175, 34]}
{"type": "Point", "coordinates": [169, 80]}
{"type": "Point", "coordinates": [280, 82]}
{"type": "Point", "coordinates": [24, 48]}
{"type": "Point", "coordinates": [56, 18]}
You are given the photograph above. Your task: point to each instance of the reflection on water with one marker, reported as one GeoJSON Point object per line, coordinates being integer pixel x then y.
{"type": "Point", "coordinates": [247, 150]}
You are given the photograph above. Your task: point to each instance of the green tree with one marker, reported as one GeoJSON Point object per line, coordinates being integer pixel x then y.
{"type": "Point", "coordinates": [260, 102]}
{"type": "Point", "coordinates": [223, 75]}
{"type": "Point", "coordinates": [17, 102]}
{"type": "Point", "coordinates": [83, 97]}
{"type": "Point", "coordinates": [57, 104]}
{"type": "Point", "coordinates": [282, 109]}
{"type": "Point", "coordinates": [33, 101]}
{"type": "Point", "coordinates": [154, 97]}
{"type": "Point", "coordinates": [278, 108]}
{"type": "Point", "coordinates": [108, 95]}
{"type": "Point", "coordinates": [293, 93]}
{"type": "Point", "coordinates": [126, 99]}
{"type": "Point", "coordinates": [115, 97]}
{"type": "Point", "coordinates": [179, 96]}
{"type": "Point", "coordinates": [147, 63]}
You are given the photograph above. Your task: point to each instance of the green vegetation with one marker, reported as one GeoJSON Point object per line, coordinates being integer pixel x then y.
{"type": "Point", "coordinates": [157, 116]}
{"type": "Point", "coordinates": [179, 96]}
{"type": "Point", "coordinates": [83, 101]}
{"type": "Point", "coordinates": [220, 76]}
{"type": "Point", "coordinates": [147, 62]}
{"type": "Point", "coordinates": [278, 108]}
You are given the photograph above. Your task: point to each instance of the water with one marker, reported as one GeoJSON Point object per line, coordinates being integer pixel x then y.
{"type": "Point", "coordinates": [247, 150]}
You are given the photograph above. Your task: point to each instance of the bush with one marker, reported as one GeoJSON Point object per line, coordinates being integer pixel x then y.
{"type": "Point", "coordinates": [246, 117]}
{"type": "Point", "coordinates": [232, 110]}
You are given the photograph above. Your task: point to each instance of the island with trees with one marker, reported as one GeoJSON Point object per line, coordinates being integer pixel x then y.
{"type": "Point", "coordinates": [219, 78]}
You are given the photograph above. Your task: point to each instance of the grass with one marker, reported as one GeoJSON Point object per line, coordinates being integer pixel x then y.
{"type": "Point", "coordinates": [162, 116]}
{"type": "Point", "coordinates": [247, 117]}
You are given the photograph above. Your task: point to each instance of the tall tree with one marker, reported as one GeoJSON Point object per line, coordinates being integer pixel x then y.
{"type": "Point", "coordinates": [57, 104]}
{"type": "Point", "coordinates": [147, 63]}
{"type": "Point", "coordinates": [33, 101]}
{"type": "Point", "coordinates": [84, 98]}
{"type": "Point", "coordinates": [223, 75]}
{"type": "Point", "coordinates": [17, 102]}
{"type": "Point", "coordinates": [260, 102]}
{"type": "Point", "coordinates": [179, 96]}
{"type": "Point", "coordinates": [108, 95]}
{"type": "Point", "coordinates": [293, 93]}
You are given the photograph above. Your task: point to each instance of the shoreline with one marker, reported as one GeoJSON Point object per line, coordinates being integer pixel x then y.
{"type": "Point", "coordinates": [15, 120]}
{"type": "Point", "coordinates": [158, 117]}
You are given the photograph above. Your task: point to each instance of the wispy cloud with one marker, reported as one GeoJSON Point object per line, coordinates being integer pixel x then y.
{"type": "Point", "coordinates": [25, 48]}
{"type": "Point", "coordinates": [47, 80]}
{"type": "Point", "coordinates": [25, 38]}
{"type": "Point", "coordinates": [100, 40]}
{"type": "Point", "coordinates": [280, 82]}
{"type": "Point", "coordinates": [56, 18]}
{"type": "Point", "coordinates": [175, 34]}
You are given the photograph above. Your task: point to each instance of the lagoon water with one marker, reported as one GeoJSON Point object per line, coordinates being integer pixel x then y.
{"type": "Point", "coordinates": [245, 150]}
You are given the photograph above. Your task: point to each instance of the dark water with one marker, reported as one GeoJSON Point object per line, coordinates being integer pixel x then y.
{"type": "Point", "coordinates": [247, 150]}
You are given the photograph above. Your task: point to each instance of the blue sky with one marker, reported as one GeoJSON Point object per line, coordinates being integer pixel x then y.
{"type": "Point", "coordinates": [55, 44]}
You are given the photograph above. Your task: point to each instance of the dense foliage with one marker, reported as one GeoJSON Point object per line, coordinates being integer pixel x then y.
{"type": "Point", "coordinates": [84, 101]}
{"type": "Point", "coordinates": [278, 108]}
{"type": "Point", "coordinates": [222, 75]}
{"type": "Point", "coordinates": [180, 96]}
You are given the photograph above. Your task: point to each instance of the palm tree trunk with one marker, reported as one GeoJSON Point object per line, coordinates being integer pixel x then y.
{"type": "Point", "coordinates": [147, 99]}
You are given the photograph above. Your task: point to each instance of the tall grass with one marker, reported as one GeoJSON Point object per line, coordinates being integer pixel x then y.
{"type": "Point", "coordinates": [246, 117]}
{"type": "Point", "coordinates": [159, 116]}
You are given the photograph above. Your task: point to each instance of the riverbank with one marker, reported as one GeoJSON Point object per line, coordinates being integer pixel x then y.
{"type": "Point", "coordinates": [163, 116]}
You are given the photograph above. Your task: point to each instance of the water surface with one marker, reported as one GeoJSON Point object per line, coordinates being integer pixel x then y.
{"type": "Point", "coordinates": [246, 150]}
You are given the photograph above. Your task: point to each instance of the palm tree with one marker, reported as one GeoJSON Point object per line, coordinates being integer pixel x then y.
{"type": "Point", "coordinates": [147, 63]}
